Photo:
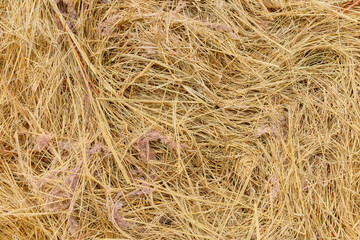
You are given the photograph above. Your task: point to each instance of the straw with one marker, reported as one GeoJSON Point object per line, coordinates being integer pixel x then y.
{"type": "Point", "coordinates": [179, 119]}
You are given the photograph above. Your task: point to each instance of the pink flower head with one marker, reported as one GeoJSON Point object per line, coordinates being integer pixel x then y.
{"type": "Point", "coordinates": [43, 140]}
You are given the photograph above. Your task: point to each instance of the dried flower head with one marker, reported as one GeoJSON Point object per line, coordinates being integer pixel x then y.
{"type": "Point", "coordinates": [97, 148]}
{"type": "Point", "coordinates": [42, 141]}
{"type": "Point", "coordinates": [143, 144]}
{"type": "Point", "coordinates": [113, 210]}
{"type": "Point", "coordinates": [275, 188]}
{"type": "Point", "coordinates": [59, 198]}
{"type": "Point", "coordinates": [104, 28]}
{"type": "Point", "coordinates": [145, 190]}
{"type": "Point", "coordinates": [263, 130]}
{"type": "Point", "coordinates": [67, 9]}
{"type": "Point", "coordinates": [73, 227]}
{"type": "Point", "coordinates": [276, 126]}
{"type": "Point", "coordinates": [64, 146]}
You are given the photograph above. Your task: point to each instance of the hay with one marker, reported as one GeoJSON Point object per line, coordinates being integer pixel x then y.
{"type": "Point", "coordinates": [179, 119]}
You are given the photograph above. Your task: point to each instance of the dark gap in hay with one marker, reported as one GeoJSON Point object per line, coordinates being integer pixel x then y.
{"type": "Point", "coordinates": [319, 57]}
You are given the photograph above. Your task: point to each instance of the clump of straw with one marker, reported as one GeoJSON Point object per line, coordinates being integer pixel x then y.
{"type": "Point", "coordinates": [179, 119]}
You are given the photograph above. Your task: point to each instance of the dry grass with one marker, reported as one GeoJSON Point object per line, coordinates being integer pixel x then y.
{"type": "Point", "coordinates": [219, 119]}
